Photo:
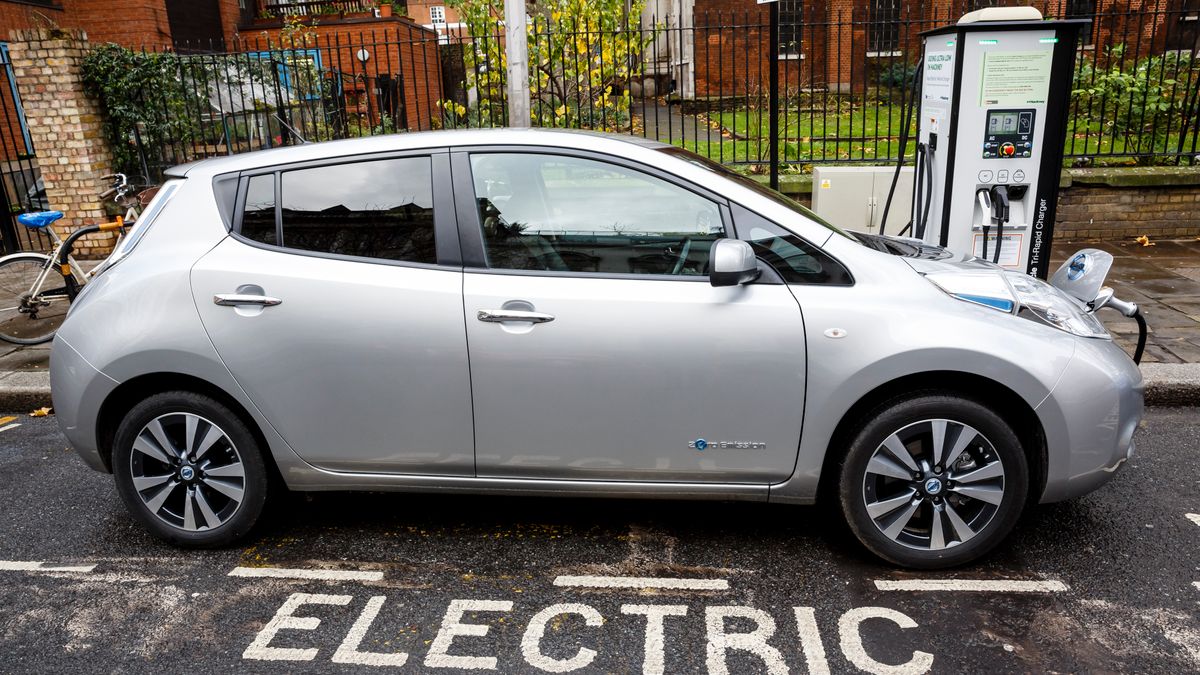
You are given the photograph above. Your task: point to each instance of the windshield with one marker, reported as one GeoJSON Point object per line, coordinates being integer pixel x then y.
{"type": "Point", "coordinates": [745, 181]}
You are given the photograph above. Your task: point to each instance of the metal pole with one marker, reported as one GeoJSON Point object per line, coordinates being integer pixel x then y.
{"type": "Point", "coordinates": [773, 94]}
{"type": "Point", "coordinates": [516, 49]}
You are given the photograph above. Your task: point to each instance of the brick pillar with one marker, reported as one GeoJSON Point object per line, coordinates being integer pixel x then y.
{"type": "Point", "coordinates": [66, 127]}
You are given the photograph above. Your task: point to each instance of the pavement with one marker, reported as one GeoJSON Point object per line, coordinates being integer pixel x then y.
{"type": "Point", "coordinates": [1164, 279]}
{"type": "Point", "coordinates": [335, 582]}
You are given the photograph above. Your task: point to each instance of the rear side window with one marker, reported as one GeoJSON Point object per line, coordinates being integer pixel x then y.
{"type": "Point", "coordinates": [258, 218]}
{"type": "Point", "coordinates": [380, 209]}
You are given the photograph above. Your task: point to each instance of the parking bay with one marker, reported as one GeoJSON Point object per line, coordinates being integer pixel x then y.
{"type": "Point", "coordinates": [374, 582]}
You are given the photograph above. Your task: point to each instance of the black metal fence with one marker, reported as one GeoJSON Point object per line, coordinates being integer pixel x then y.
{"type": "Point", "coordinates": [699, 81]}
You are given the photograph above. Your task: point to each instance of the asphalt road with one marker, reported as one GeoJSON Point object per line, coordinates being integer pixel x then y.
{"type": "Point", "coordinates": [428, 583]}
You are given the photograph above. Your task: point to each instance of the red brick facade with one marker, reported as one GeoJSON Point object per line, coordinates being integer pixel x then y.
{"type": "Point", "coordinates": [394, 47]}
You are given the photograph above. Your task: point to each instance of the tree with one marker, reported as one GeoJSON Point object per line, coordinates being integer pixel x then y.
{"type": "Point", "coordinates": [581, 56]}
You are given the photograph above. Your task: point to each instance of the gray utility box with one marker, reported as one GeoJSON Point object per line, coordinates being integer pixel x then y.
{"type": "Point", "coordinates": [852, 197]}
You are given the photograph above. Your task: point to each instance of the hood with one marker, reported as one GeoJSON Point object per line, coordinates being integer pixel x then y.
{"type": "Point", "coordinates": [923, 257]}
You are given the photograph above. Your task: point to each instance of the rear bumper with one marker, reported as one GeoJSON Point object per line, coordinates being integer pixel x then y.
{"type": "Point", "coordinates": [78, 389]}
{"type": "Point", "coordinates": [1090, 418]}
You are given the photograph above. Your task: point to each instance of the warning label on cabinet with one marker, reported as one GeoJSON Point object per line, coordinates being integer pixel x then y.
{"type": "Point", "coordinates": [1010, 248]}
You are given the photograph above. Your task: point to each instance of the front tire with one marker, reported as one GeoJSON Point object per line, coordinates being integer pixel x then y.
{"type": "Point", "coordinates": [189, 469]}
{"type": "Point", "coordinates": [933, 481]}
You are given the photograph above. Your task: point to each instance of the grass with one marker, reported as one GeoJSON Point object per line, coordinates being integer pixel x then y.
{"type": "Point", "coordinates": [872, 133]}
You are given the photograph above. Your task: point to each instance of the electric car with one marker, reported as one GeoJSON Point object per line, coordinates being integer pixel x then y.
{"type": "Point", "coordinates": [553, 313]}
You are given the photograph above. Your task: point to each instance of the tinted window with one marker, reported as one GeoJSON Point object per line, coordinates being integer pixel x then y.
{"type": "Point", "coordinates": [796, 260]}
{"type": "Point", "coordinates": [258, 218]}
{"type": "Point", "coordinates": [549, 212]}
{"type": "Point", "coordinates": [377, 209]}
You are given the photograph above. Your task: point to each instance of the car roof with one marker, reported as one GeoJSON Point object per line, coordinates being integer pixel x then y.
{"type": "Point", "coordinates": [562, 138]}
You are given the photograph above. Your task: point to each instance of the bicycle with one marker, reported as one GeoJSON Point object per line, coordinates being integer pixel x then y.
{"type": "Point", "coordinates": [32, 307]}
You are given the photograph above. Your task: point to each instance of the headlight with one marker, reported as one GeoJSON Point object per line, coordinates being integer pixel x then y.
{"type": "Point", "coordinates": [1040, 301]}
{"type": "Point", "coordinates": [1020, 294]}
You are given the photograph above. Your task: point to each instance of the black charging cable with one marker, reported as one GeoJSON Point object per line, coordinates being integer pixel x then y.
{"type": "Point", "coordinates": [1000, 213]}
{"type": "Point", "coordinates": [906, 114]}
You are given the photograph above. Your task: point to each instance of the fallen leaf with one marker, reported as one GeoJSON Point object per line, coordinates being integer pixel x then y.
{"type": "Point", "coordinates": [41, 412]}
{"type": "Point", "coordinates": [1145, 241]}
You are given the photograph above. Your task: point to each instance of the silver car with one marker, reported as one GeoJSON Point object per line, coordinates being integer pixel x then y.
{"type": "Point", "coordinates": [552, 313]}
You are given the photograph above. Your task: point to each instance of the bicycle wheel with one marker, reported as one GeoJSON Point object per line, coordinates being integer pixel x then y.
{"type": "Point", "coordinates": [27, 319]}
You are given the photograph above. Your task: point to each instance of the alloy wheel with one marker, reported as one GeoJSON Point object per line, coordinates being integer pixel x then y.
{"type": "Point", "coordinates": [187, 472]}
{"type": "Point", "coordinates": [933, 484]}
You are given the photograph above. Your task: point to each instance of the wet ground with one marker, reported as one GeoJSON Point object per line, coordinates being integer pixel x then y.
{"type": "Point", "coordinates": [365, 582]}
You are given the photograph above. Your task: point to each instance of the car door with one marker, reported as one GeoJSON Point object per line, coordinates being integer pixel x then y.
{"type": "Point", "coordinates": [598, 348]}
{"type": "Point", "coordinates": [333, 310]}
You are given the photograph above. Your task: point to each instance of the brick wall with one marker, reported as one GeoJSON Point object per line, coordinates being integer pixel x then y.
{"type": "Point", "coordinates": [1106, 212]}
{"type": "Point", "coordinates": [395, 46]}
{"type": "Point", "coordinates": [132, 23]}
{"type": "Point", "coordinates": [66, 127]}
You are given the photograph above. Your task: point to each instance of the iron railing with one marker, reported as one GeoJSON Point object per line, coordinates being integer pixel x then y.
{"type": "Point", "coordinates": [700, 82]}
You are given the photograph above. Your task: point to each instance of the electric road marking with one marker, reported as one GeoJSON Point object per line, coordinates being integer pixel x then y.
{"type": "Point", "coordinates": [38, 566]}
{"type": "Point", "coordinates": [318, 575]}
{"type": "Point", "coordinates": [9, 426]}
{"type": "Point", "coordinates": [979, 585]}
{"type": "Point", "coordinates": [1194, 517]}
{"type": "Point", "coordinates": [642, 582]}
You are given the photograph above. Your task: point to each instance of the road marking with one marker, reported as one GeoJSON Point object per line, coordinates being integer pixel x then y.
{"type": "Point", "coordinates": [320, 575]}
{"type": "Point", "coordinates": [6, 420]}
{"type": "Point", "coordinates": [642, 582]}
{"type": "Point", "coordinates": [1196, 584]}
{"type": "Point", "coordinates": [1194, 517]}
{"type": "Point", "coordinates": [10, 426]}
{"type": "Point", "coordinates": [980, 585]}
{"type": "Point", "coordinates": [37, 566]}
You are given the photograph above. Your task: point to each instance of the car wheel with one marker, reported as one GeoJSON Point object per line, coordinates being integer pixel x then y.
{"type": "Point", "coordinates": [933, 481]}
{"type": "Point", "coordinates": [189, 469]}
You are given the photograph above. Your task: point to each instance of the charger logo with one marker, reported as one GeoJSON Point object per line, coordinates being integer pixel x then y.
{"type": "Point", "coordinates": [702, 445]}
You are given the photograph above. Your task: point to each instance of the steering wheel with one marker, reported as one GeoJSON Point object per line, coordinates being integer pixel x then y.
{"type": "Point", "coordinates": [685, 248]}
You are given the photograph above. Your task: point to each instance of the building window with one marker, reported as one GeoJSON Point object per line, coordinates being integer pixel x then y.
{"type": "Point", "coordinates": [1080, 9]}
{"type": "Point", "coordinates": [884, 33]}
{"type": "Point", "coordinates": [437, 15]}
{"type": "Point", "coordinates": [791, 18]}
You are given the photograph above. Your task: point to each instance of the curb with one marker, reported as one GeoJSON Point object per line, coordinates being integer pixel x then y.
{"type": "Point", "coordinates": [1167, 384]}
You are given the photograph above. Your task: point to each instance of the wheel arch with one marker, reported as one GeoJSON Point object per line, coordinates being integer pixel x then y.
{"type": "Point", "coordinates": [130, 392]}
{"type": "Point", "coordinates": [1008, 404]}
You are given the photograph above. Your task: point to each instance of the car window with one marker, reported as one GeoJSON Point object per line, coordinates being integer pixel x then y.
{"type": "Point", "coordinates": [374, 209]}
{"type": "Point", "coordinates": [258, 218]}
{"type": "Point", "coordinates": [570, 214]}
{"type": "Point", "coordinates": [796, 260]}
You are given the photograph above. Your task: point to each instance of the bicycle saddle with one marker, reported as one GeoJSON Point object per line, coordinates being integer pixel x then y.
{"type": "Point", "coordinates": [40, 219]}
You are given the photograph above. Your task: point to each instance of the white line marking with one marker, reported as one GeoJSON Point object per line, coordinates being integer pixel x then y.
{"type": "Point", "coordinates": [37, 566]}
{"type": "Point", "coordinates": [1194, 517]}
{"type": "Point", "coordinates": [320, 575]}
{"type": "Point", "coordinates": [9, 426]}
{"type": "Point", "coordinates": [1196, 584]}
{"type": "Point", "coordinates": [642, 582]}
{"type": "Point", "coordinates": [982, 585]}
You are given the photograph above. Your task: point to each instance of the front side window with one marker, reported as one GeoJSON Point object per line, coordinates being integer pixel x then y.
{"type": "Point", "coordinates": [380, 209]}
{"type": "Point", "coordinates": [569, 214]}
{"type": "Point", "coordinates": [796, 260]}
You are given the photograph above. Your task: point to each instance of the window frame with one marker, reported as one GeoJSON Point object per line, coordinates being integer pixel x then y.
{"type": "Point", "coordinates": [445, 233]}
{"type": "Point", "coordinates": [470, 227]}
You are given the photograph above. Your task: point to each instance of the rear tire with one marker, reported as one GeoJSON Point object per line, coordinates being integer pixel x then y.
{"type": "Point", "coordinates": [933, 481]}
{"type": "Point", "coordinates": [190, 470]}
{"type": "Point", "coordinates": [18, 273]}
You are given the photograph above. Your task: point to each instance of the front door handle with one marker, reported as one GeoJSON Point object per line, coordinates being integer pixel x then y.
{"type": "Point", "coordinates": [499, 315]}
{"type": "Point", "coordinates": [235, 299]}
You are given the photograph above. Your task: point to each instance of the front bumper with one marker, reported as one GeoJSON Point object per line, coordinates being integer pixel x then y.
{"type": "Point", "coordinates": [1089, 419]}
{"type": "Point", "coordinates": [78, 389]}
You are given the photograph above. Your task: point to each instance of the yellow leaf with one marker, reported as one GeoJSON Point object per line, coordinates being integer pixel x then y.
{"type": "Point", "coordinates": [1145, 241]}
{"type": "Point", "coordinates": [41, 412]}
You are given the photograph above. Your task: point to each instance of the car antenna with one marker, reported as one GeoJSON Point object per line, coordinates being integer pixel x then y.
{"type": "Point", "coordinates": [303, 141]}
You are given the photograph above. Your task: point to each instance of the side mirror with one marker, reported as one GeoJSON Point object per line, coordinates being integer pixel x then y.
{"type": "Point", "coordinates": [732, 263]}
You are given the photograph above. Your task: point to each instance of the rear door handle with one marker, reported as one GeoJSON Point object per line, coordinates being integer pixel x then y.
{"type": "Point", "coordinates": [235, 299]}
{"type": "Point", "coordinates": [499, 315]}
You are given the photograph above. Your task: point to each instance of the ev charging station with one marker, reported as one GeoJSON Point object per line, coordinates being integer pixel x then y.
{"type": "Point", "coordinates": [993, 101]}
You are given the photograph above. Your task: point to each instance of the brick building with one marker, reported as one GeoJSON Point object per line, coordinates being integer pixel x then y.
{"type": "Point", "coordinates": [717, 48]}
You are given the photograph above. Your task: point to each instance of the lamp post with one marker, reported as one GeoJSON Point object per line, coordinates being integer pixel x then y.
{"type": "Point", "coordinates": [516, 49]}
